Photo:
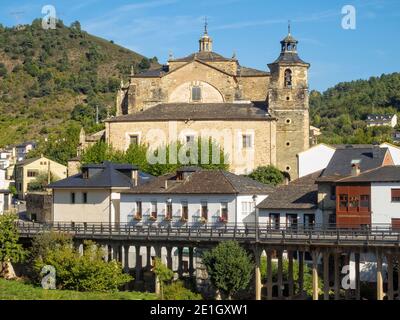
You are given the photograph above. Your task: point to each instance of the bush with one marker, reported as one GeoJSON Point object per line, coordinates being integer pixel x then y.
{"type": "Point", "coordinates": [87, 272]}
{"type": "Point", "coordinates": [177, 291]}
{"type": "Point", "coordinates": [267, 175]}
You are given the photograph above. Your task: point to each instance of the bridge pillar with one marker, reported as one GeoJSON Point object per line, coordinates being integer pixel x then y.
{"type": "Point", "coordinates": [157, 249]}
{"type": "Point", "coordinates": [301, 272]}
{"type": "Point", "coordinates": [169, 257]}
{"type": "Point", "coordinates": [390, 293]}
{"type": "Point", "coordinates": [315, 255]}
{"type": "Point", "coordinates": [358, 279]}
{"type": "Point", "coordinates": [326, 274]}
{"type": "Point", "coordinates": [269, 275]}
{"type": "Point", "coordinates": [379, 278]}
{"type": "Point", "coordinates": [280, 273]}
{"type": "Point", "coordinates": [126, 258]}
{"type": "Point", "coordinates": [148, 258]}
{"type": "Point", "coordinates": [347, 263]}
{"type": "Point", "coordinates": [180, 262]}
{"type": "Point", "coordinates": [398, 278]}
{"type": "Point", "coordinates": [109, 252]}
{"type": "Point", "coordinates": [290, 275]}
{"type": "Point", "coordinates": [138, 267]}
{"type": "Point", "coordinates": [337, 275]}
{"type": "Point", "coordinates": [191, 264]}
{"type": "Point", "coordinates": [120, 256]}
{"type": "Point", "coordinates": [115, 252]}
{"type": "Point", "coordinates": [257, 286]}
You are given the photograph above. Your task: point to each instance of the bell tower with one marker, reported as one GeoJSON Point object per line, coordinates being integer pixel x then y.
{"type": "Point", "coordinates": [205, 42]}
{"type": "Point", "coordinates": [288, 102]}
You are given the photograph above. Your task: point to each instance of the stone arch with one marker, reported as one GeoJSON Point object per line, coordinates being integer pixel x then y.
{"type": "Point", "coordinates": [209, 93]}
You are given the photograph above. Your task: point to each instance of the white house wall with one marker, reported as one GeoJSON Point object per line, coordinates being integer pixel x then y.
{"type": "Point", "coordinates": [314, 159]}
{"type": "Point", "coordinates": [264, 216]}
{"type": "Point", "coordinates": [128, 206]}
{"type": "Point", "coordinates": [394, 152]}
{"type": "Point", "coordinates": [382, 207]}
{"type": "Point", "coordinates": [97, 208]}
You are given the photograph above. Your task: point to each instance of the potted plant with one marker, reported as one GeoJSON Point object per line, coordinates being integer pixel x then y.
{"type": "Point", "coordinates": [138, 217]}
{"type": "Point", "coordinates": [203, 220]}
{"type": "Point", "coordinates": [223, 219]}
{"type": "Point", "coordinates": [183, 219]}
{"type": "Point", "coordinates": [167, 218]}
{"type": "Point", "coordinates": [152, 218]}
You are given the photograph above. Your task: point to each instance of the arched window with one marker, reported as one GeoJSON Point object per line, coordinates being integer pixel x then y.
{"type": "Point", "coordinates": [288, 78]}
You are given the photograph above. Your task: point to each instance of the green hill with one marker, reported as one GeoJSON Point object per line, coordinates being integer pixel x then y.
{"type": "Point", "coordinates": [48, 77]}
{"type": "Point", "coordinates": [340, 112]}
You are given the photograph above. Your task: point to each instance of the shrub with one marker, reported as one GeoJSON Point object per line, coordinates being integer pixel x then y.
{"type": "Point", "coordinates": [87, 272]}
{"type": "Point", "coordinates": [177, 291]}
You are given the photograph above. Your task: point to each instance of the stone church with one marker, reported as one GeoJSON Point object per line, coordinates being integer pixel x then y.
{"type": "Point", "coordinates": [267, 111]}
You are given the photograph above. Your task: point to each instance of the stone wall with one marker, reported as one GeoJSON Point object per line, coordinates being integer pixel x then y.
{"type": "Point", "coordinates": [39, 205]}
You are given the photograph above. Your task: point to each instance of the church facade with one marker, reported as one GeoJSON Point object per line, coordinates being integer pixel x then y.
{"type": "Point", "coordinates": [266, 114]}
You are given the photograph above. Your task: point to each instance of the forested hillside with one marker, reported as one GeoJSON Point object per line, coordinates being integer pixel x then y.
{"type": "Point", "coordinates": [52, 80]}
{"type": "Point", "coordinates": [341, 111]}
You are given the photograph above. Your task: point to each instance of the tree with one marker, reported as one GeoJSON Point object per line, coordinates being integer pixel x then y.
{"type": "Point", "coordinates": [163, 275]}
{"type": "Point", "coordinates": [10, 250]}
{"type": "Point", "coordinates": [41, 181]}
{"type": "Point", "coordinates": [229, 267]}
{"type": "Point", "coordinates": [267, 175]}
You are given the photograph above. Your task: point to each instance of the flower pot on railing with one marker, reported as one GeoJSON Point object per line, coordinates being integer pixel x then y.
{"type": "Point", "coordinates": [223, 220]}
{"type": "Point", "coordinates": [168, 219]}
{"type": "Point", "coordinates": [152, 218]}
{"type": "Point", "coordinates": [138, 218]}
{"type": "Point", "coordinates": [183, 220]}
{"type": "Point", "coordinates": [203, 220]}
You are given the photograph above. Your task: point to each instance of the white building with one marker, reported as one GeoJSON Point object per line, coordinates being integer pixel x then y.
{"type": "Point", "coordinates": [379, 120]}
{"type": "Point", "coordinates": [193, 196]}
{"type": "Point", "coordinates": [318, 157]}
{"type": "Point", "coordinates": [93, 196]}
{"type": "Point", "coordinates": [293, 205]}
{"type": "Point", "coordinates": [5, 196]}
{"type": "Point", "coordinates": [314, 159]}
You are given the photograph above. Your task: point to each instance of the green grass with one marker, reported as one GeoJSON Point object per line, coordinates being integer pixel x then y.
{"type": "Point", "coordinates": [19, 290]}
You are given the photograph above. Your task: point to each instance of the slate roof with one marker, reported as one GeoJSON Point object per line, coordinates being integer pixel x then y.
{"type": "Point", "coordinates": [289, 57]}
{"type": "Point", "coordinates": [203, 56]}
{"type": "Point", "coordinates": [250, 72]}
{"type": "Point", "coordinates": [203, 182]}
{"type": "Point", "coordinates": [198, 111]}
{"type": "Point", "coordinates": [299, 194]}
{"type": "Point", "coordinates": [382, 174]}
{"type": "Point", "coordinates": [109, 177]}
{"type": "Point", "coordinates": [379, 117]}
{"type": "Point", "coordinates": [341, 163]}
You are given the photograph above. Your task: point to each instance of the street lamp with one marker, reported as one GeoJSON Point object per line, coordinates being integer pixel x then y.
{"type": "Point", "coordinates": [255, 216]}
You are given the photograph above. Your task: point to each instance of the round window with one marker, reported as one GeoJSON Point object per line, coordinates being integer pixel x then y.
{"type": "Point", "coordinates": [288, 168]}
{"type": "Point", "coordinates": [288, 121]}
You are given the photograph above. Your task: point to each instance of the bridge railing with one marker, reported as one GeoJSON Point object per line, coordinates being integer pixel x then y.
{"type": "Point", "coordinates": [263, 232]}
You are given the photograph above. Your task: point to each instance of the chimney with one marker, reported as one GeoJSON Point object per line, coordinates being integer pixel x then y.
{"type": "Point", "coordinates": [135, 177]}
{"type": "Point", "coordinates": [166, 184]}
{"type": "Point", "coordinates": [355, 169]}
{"type": "Point", "coordinates": [375, 152]}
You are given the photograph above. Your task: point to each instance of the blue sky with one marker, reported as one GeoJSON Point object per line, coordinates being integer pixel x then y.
{"type": "Point", "coordinates": [251, 28]}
